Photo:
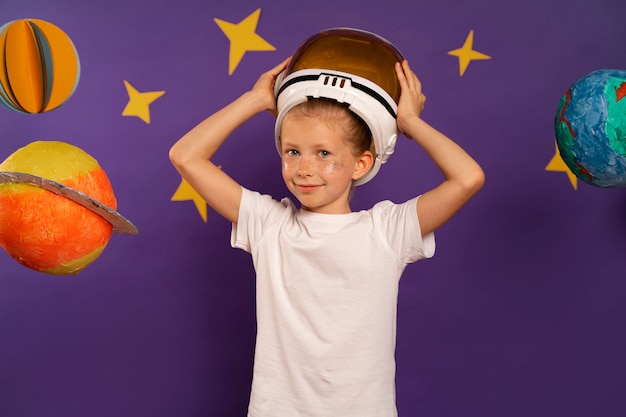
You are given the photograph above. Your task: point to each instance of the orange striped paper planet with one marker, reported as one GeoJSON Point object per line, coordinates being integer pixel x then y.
{"type": "Point", "coordinates": [39, 66]}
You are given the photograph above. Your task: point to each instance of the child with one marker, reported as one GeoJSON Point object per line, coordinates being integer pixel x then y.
{"type": "Point", "coordinates": [327, 278]}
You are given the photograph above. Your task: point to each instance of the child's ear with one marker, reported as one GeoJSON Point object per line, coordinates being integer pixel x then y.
{"type": "Point", "coordinates": [362, 165]}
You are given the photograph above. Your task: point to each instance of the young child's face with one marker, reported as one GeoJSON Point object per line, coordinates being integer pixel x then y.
{"type": "Point", "coordinates": [318, 165]}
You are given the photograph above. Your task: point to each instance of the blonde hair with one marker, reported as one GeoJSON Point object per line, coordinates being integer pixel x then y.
{"type": "Point", "coordinates": [337, 115]}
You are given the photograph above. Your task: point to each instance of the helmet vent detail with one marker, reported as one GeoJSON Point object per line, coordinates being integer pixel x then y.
{"type": "Point", "coordinates": [342, 81]}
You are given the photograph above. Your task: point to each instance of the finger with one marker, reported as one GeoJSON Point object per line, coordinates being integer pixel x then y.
{"type": "Point", "coordinates": [280, 67]}
{"type": "Point", "coordinates": [412, 78]}
{"type": "Point", "coordinates": [285, 62]}
{"type": "Point", "coordinates": [409, 75]}
{"type": "Point", "coordinates": [400, 74]}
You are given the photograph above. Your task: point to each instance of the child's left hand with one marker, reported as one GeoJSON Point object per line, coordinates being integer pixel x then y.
{"type": "Point", "coordinates": [412, 99]}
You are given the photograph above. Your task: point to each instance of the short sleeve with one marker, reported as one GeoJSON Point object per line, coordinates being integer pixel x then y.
{"type": "Point", "coordinates": [257, 212]}
{"type": "Point", "coordinates": [400, 228]}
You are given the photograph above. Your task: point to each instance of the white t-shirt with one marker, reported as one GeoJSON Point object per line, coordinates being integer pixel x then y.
{"type": "Point", "coordinates": [327, 289]}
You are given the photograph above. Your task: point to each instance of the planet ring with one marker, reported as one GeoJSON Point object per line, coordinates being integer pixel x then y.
{"type": "Point", "coordinates": [121, 225]}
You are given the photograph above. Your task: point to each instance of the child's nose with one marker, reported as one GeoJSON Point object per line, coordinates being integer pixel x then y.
{"type": "Point", "coordinates": [305, 166]}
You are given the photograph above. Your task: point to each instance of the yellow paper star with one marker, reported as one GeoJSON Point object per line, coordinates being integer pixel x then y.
{"type": "Point", "coordinates": [466, 54]}
{"type": "Point", "coordinates": [139, 103]}
{"type": "Point", "coordinates": [557, 164]}
{"type": "Point", "coordinates": [185, 192]}
{"type": "Point", "coordinates": [243, 38]}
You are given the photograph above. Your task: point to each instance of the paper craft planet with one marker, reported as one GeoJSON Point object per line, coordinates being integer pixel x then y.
{"type": "Point", "coordinates": [590, 126]}
{"type": "Point", "coordinates": [39, 66]}
{"type": "Point", "coordinates": [57, 208]}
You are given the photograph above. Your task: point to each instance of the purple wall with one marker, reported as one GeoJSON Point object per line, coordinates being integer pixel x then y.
{"type": "Point", "coordinates": [521, 312]}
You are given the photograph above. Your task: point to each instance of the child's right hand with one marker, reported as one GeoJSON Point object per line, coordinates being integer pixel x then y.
{"type": "Point", "coordinates": [263, 89]}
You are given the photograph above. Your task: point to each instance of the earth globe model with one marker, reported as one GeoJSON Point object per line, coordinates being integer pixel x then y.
{"type": "Point", "coordinates": [590, 126]}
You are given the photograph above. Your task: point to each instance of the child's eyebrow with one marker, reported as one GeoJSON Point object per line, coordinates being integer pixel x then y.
{"type": "Point", "coordinates": [289, 144]}
{"type": "Point", "coordinates": [321, 144]}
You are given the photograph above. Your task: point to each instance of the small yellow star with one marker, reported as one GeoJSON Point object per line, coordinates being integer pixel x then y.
{"type": "Point", "coordinates": [185, 192]}
{"type": "Point", "coordinates": [557, 164]}
{"type": "Point", "coordinates": [466, 54]}
{"type": "Point", "coordinates": [243, 38]}
{"type": "Point", "coordinates": [139, 103]}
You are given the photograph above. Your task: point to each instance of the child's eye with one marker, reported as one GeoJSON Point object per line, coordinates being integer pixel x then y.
{"type": "Point", "coordinates": [324, 154]}
{"type": "Point", "coordinates": [292, 152]}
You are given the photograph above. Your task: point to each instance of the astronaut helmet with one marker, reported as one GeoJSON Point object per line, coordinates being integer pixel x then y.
{"type": "Point", "coordinates": [353, 67]}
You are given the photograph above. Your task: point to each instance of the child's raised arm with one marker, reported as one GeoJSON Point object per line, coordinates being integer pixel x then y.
{"type": "Point", "coordinates": [463, 176]}
{"type": "Point", "coordinates": [191, 154]}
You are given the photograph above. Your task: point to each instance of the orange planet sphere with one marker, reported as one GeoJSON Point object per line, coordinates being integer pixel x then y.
{"type": "Point", "coordinates": [45, 231]}
{"type": "Point", "coordinates": [40, 66]}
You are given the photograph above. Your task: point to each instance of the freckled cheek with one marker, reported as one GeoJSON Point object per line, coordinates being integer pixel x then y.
{"type": "Point", "coordinates": [333, 167]}
{"type": "Point", "coordinates": [289, 166]}
{"type": "Point", "coordinates": [328, 166]}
